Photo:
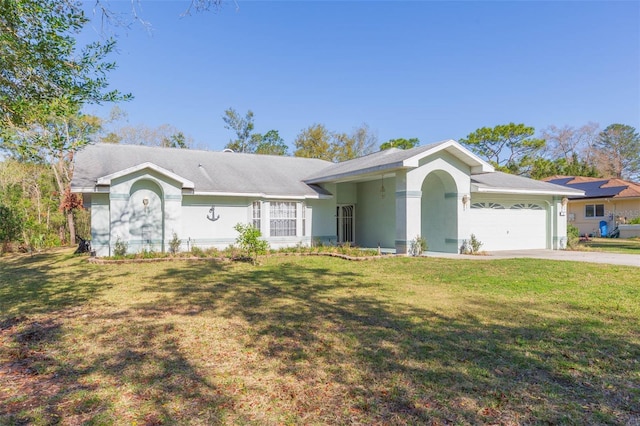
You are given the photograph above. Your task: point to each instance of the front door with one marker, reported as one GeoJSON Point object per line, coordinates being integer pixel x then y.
{"type": "Point", "coordinates": [344, 223]}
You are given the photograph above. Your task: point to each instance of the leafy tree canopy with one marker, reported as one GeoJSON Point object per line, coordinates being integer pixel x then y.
{"type": "Point", "coordinates": [317, 141]}
{"type": "Point", "coordinates": [508, 147]}
{"type": "Point", "coordinates": [544, 167]}
{"type": "Point", "coordinates": [270, 143]}
{"type": "Point", "coordinates": [314, 142]}
{"type": "Point", "coordinates": [246, 141]}
{"type": "Point", "coordinates": [242, 127]}
{"type": "Point", "coordinates": [40, 63]}
{"type": "Point", "coordinates": [400, 143]}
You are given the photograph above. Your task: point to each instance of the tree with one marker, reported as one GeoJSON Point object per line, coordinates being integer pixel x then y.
{"type": "Point", "coordinates": [318, 142]}
{"type": "Point", "coordinates": [400, 143]}
{"type": "Point", "coordinates": [314, 142]}
{"type": "Point", "coordinates": [617, 151]}
{"type": "Point", "coordinates": [40, 64]}
{"type": "Point", "coordinates": [177, 140]}
{"type": "Point", "coordinates": [10, 226]}
{"type": "Point", "coordinates": [564, 142]}
{"type": "Point", "coordinates": [250, 241]}
{"type": "Point", "coordinates": [509, 147]}
{"type": "Point", "coordinates": [270, 143]}
{"type": "Point", "coordinates": [165, 136]}
{"type": "Point", "coordinates": [544, 167]}
{"type": "Point", "coordinates": [242, 128]}
{"type": "Point", "coordinates": [364, 141]}
{"type": "Point", "coordinates": [28, 189]}
{"type": "Point", "coordinates": [54, 140]}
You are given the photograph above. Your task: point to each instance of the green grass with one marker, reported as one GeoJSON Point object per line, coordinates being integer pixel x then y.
{"type": "Point", "coordinates": [318, 340]}
{"type": "Point", "coordinates": [613, 245]}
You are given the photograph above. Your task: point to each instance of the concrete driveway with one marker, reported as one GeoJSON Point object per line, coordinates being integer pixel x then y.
{"type": "Point", "coordinates": [575, 256]}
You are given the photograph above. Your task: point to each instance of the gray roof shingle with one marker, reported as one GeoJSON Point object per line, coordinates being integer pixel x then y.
{"type": "Point", "coordinates": [377, 161]}
{"type": "Point", "coordinates": [507, 182]}
{"type": "Point", "coordinates": [211, 172]}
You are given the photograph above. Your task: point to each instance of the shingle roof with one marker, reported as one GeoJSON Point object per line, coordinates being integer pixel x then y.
{"type": "Point", "coordinates": [211, 172]}
{"type": "Point", "coordinates": [598, 187]}
{"type": "Point", "coordinates": [387, 160]}
{"type": "Point", "coordinates": [504, 182]}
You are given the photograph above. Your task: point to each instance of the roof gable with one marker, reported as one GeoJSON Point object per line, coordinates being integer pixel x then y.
{"type": "Point", "coordinates": [106, 180]}
{"type": "Point", "coordinates": [395, 158]}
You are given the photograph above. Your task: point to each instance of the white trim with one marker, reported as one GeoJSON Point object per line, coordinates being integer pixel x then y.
{"type": "Point", "coordinates": [106, 180]}
{"type": "Point", "coordinates": [475, 188]}
{"type": "Point", "coordinates": [477, 164]}
{"type": "Point", "coordinates": [262, 195]}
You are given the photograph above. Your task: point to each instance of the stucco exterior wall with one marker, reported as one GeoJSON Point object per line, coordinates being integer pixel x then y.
{"type": "Point", "coordinates": [322, 221]}
{"type": "Point", "coordinates": [198, 230]}
{"type": "Point", "coordinates": [376, 216]}
{"type": "Point", "coordinates": [100, 237]}
{"type": "Point", "coordinates": [142, 209]}
{"type": "Point", "coordinates": [410, 193]}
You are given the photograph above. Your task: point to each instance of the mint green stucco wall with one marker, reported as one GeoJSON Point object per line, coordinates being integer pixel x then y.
{"type": "Point", "coordinates": [376, 216]}
{"type": "Point", "coordinates": [439, 219]}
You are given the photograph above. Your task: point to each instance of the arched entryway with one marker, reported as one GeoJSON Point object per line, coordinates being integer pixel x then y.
{"type": "Point", "coordinates": [439, 215]}
{"type": "Point", "coordinates": [146, 223]}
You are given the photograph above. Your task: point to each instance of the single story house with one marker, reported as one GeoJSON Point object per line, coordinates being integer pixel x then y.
{"type": "Point", "coordinates": [144, 195]}
{"type": "Point", "coordinates": [612, 201]}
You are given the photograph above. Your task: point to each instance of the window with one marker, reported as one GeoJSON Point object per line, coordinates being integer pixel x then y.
{"type": "Point", "coordinates": [282, 219]}
{"type": "Point", "coordinates": [594, 210]}
{"type": "Point", "coordinates": [256, 214]}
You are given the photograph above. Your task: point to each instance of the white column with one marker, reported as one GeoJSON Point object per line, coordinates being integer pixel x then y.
{"type": "Point", "coordinates": [408, 214]}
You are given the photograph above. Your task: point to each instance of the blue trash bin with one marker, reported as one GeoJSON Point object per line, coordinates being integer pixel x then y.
{"type": "Point", "coordinates": [603, 228]}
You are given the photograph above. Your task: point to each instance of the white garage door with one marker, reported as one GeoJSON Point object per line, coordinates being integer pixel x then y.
{"type": "Point", "coordinates": [516, 226]}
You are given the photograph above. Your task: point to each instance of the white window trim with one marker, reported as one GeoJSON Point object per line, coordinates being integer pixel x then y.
{"type": "Point", "coordinates": [296, 219]}
{"type": "Point", "coordinates": [595, 216]}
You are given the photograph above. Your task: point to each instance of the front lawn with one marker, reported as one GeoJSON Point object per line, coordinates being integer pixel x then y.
{"type": "Point", "coordinates": [613, 245]}
{"type": "Point", "coordinates": [318, 340]}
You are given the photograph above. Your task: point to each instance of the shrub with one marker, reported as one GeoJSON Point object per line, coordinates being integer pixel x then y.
{"type": "Point", "coordinates": [417, 246]}
{"type": "Point", "coordinates": [120, 248]}
{"type": "Point", "coordinates": [475, 244]}
{"type": "Point", "coordinates": [471, 246]}
{"type": "Point", "coordinates": [635, 221]}
{"type": "Point", "coordinates": [250, 242]}
{"type": "Point", "coordinates": [197, 252]}
{"type": "Point", "coordinates": [573, 236]}
{"type": "Point", "coordinates": [174, 244]}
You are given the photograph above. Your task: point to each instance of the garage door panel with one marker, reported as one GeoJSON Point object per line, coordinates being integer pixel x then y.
{"type": "Point", "coordinates": [512, 227]}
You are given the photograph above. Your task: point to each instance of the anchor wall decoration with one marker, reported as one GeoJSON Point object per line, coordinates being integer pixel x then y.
{"type": "Point", "coordinates": [213, 216]}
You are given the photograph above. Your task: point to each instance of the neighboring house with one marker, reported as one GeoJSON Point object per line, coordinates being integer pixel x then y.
{"type": "Point", "coordinates": [613, 201]}
{"type": "Point", "coordinates": [443, 192]}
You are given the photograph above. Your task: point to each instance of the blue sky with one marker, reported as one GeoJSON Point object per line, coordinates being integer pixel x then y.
{"type": "Point", "coordinates": [427, 69]}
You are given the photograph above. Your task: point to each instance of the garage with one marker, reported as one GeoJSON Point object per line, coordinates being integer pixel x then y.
{"type": "Point", "coordinates": [510, 225]}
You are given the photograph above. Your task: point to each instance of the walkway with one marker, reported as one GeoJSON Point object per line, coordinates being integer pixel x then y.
{"type": "Point", "coordinates": [575, 256]}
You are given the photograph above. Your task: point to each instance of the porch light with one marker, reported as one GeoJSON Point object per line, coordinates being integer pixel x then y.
{"type": "Point", "coordinates": [382, 190]}
{"type": "Point", "coordinates": [563, 209]}
{"type": "Point", "coordinates": [465, 200]}
{"type": "Point", "coordinates": [145, 201]}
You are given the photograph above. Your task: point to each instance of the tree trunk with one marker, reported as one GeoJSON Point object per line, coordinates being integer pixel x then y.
{"type": "Point", "coordinates": [72, 227]}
